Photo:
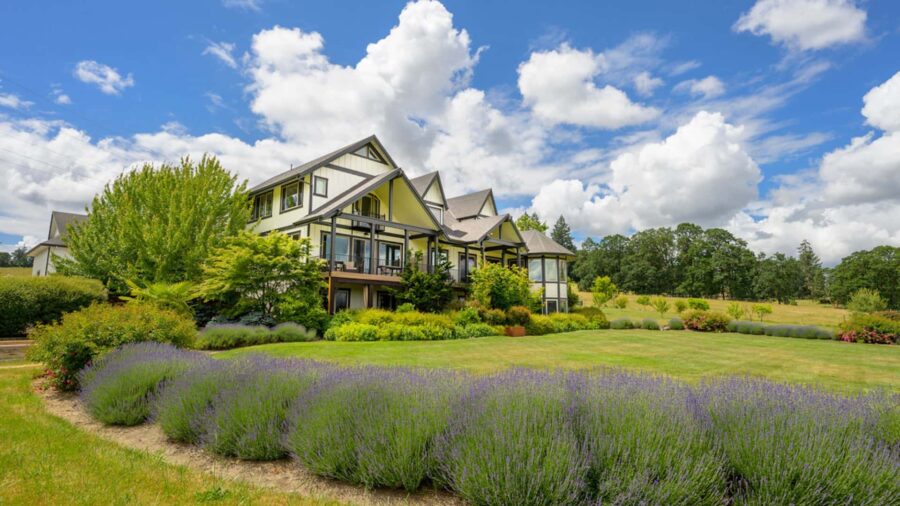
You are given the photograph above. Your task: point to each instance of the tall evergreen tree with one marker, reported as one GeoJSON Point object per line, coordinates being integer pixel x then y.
{"type": "Point", "coordinates": [813, 275]}
{"type": "Point", "coordinates": [562, 234]}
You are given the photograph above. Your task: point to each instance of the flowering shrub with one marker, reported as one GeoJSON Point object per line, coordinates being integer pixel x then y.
{"type": "Point", "coordinates": [528, 437]}
{"type": "Point", "coordinates": [83, 335]}
{"type": "Point", "coordinates": [705, 321]}
{"type": "Point", "coordinates": [235, 335]}
{"type": "Point", "coordinates": [870, 328]}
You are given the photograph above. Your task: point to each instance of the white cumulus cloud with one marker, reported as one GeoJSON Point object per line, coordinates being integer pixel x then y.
{"type": "Point", "coordinates": [559, 86]}
{"type": "Point", "coordinates": [103, 76]}
{"type": "Point", "coordinates": [645, 83]}
{"type": "Point", "coordinates": [708, 87]}
{"type": "Point", "coordinates": [805, 24]}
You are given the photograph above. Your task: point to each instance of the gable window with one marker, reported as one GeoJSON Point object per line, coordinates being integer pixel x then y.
{"type": "Point", "coordinates": [438, 213]}
{"type": "Point", "coordinates": [367, 206]}
{"type": "Point", "coordinates": [368, 151]}
{"type": "Point", "coordinates": [320, 186]}
{"type": "Point", "coordinates": [535, 270]}
{"type": "Point", "coordinates": [262, 206]}
{"type": "Point", "coordinates": [291, 196]}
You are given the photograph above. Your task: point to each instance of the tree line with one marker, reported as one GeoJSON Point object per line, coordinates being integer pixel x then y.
{"type": "Point", "coordinates": [691, 261]}
{"type": "Point", "coordinates": [17, 258]}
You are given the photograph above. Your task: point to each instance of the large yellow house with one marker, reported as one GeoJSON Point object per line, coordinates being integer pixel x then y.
{"type": "Point", "coordinates": [365, 217]}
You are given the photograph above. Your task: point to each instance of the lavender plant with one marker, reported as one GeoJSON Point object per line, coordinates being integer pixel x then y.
{"type": "Point", "coordinates": [183, 404]}
{"type": "Point", "coordinates": [247, 417]}
{"type": "Point", "coordinates": [794, 445]}
{"type": "Point", "coordinates": [511, 440]}
{"type": "Point", "coordinates": [372, 426]}
{"type": "Point", "coordinates": [118, 388]}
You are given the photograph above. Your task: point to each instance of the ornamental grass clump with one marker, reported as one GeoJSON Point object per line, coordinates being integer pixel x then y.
{"type": "Point", "coordinates": [247, 417]}
{"type": "Point", "coordinates": [118, 388]}
{"type": "Point", "coordinates": [793, 445]}
{"type": "Point", "coordinates": [372, 426]}
{"type": "Point", "coordinates": [511, 440]}
{"type": "Point", "coordinates": [646, 444]}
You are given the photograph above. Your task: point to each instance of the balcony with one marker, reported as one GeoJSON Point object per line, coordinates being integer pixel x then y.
{"type": "Point", "coordinates": [363, 225]}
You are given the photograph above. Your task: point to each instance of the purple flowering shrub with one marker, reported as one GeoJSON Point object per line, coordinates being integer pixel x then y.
{"type": "Point", "coordinates": [118, 388]}
{"type": "Point", "coordinates": [511, 440]}
{"type": "Point", "coordinates": [519, 437]}
{"type": "Point", "coordinates": [372, 426]}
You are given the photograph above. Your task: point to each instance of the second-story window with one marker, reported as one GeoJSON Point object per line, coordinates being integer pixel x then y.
{"type": "Point", "coordinates": [262, 206]}
{"type": "Point", "coordinates": [320, 186]}
{"type": "Point", "coordinates": [291, 196]}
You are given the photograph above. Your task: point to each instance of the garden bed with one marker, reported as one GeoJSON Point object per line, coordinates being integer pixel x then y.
{"type": "Point", "coordinates": [282, 475]}
{"type": "Point", "coordinates": [517, 437]}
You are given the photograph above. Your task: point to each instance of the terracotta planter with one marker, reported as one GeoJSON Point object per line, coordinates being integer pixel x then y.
{"type": "Point", "coordinates": [514, 331]}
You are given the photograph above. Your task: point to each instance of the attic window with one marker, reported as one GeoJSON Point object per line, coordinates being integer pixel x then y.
{"type": "Point", "coordinates": [369, 152]}
{"type": "Point", "coordinates": [438, 213]}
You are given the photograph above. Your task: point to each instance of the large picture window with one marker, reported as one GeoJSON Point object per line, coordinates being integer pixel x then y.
{"type": "Point", "coordinates": [535, 271]}
{"type": "Point", "coordinates": [390, 254]}
{"type": "Point", "coordinates": [291, 196]}
{"type": "Point", "coordinates": [262, 206]}
{"type": "Point", "coordinates": [341, 247]}
{"type": "Point", "coordinates": [551, 274]}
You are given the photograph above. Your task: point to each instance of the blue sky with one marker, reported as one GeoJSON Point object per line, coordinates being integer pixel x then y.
{"type": "Point", "coordinates": [747, 110]}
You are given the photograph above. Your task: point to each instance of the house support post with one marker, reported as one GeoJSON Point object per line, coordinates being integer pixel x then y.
{"type": "Point", "coordinates": [405, 246]}
{"type": "Point", "coordinates": [372, 251]}
{"type": "Point", "coordinates": [464, 268]}
{"type": "Point", "coordinates": [331, 243]}
{"type": "Point", "coordinates": [391, 200]}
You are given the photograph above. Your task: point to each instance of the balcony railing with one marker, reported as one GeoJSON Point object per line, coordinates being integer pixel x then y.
{"type": "Point", "coordinates": [353, 263]}
{"type": "Point", "coordinates": [365, 226]}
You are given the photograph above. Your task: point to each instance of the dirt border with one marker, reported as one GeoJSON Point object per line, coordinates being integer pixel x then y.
{"type": "Point", "coordinates": [284, 475]}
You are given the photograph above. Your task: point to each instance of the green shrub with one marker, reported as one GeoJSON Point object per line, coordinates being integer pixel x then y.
{"type": "Point", "coordinates": [27, 301]}
{"type": "Point", "coordinates": [352, 331]}
{"type": "Point", "coordinates": [467, 316]}
{"type": "Point", "coordinates": [594, 315]}
{"type": "Point", "coordinates": [83, 335]}
{"type": "Point", "coordinates": [375, 316]}
{"type": "Point", "coordinates": [401, 332]}
{"type": "Point", "coordinates": [341, 317]}
{"type": "Point", "coordinates": [643, 300]}
{"type": "Point", "coordinates": [493, 316]}
{"type": "Point", "coordinates": [865, 300]}
{"type": "Point", "coordinates": [603, 290]}
{"type": "Point", "coordinates": [649, 324]}
{"type": "Point", "coordinates": [570, 322]}
{"type": "Point", "coordinates": [621, 324]}
{"type": "Point", "coordinates": [870, 328]}
{"type": "Point", "coordinates": [698, 304]}
{"type": "Point", "coordinates": [539, 325]}
{"type": "Point", "coordinates": [621, 301]}
{"type": "Point", "coordinates": [518, 315]}
{"type": "Point", "coordinates": [501, 287]}
{"type": "Point", "coordinates": [676, 324]}
{"type": "Point", "coordinates": [706, 321]}
{"type": "Point", "coordinates": [680, 306]}
{"type": "Point", "coordinates": [289, 332]}
{"type": "Point", "coordinates": [475, 330]}
{"type": "Point", "coordinates": [735, 310]}
{"type": "Point", "coordinates": [406, 307]}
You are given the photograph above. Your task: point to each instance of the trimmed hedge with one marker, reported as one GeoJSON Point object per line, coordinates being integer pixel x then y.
{"type": "Point", "coordinates": [84, 335]}
{"type": "Point", "coordinates": [27, 301]}
{"type": "Point", "coordinates": [235, 335]}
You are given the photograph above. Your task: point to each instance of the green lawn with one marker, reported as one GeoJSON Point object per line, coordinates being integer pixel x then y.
{"type": "Point", "coordinates": [45, 460]}
{"type": "Point", "coordinates": [688, 355]}
{"type": "Point", "coordinates": [806, 312]}
{"type": "Point", "coordinates": [15, 271]}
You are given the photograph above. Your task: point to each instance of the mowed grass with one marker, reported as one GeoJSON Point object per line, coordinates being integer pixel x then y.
{"type": "Point", "coordinates": [833, 365]}
{"type": "Point", "coordinates": [15, 271]}
{"type": "Point", "coordinates": [45, 460]}
{"type": "Point", "coordinates": [806, 312]}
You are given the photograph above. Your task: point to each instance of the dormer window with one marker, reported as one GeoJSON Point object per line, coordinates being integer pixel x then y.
{"type": "Point", "coordinates": [262, 206]}
{"type": "Point", "coordinates": [438, 212]}
{"type": "Point", "coordinates": [368, 151]}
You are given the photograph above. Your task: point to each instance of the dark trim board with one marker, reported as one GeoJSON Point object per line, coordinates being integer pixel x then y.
{"type": "Point", "coordinates": [349, 171]}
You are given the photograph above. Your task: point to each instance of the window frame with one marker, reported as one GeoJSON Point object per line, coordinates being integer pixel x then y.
{"type": "Point", "coordinates": [254, 213]}
{"type": "Point", "coordinates": [299, 196]}
{"type": "Point", "coordinates": [439, 209]}
{"type": "Point", "coordinates": [540, 262]}
{"type": "Point", "coordinates": [315, 188]}
{"type": "Point", "coordinates": [555, 263]}
{"type": "Point", "coordinates": [555, 303]}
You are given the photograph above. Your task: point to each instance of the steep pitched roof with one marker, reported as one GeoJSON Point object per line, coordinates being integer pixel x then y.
{"type": "Point", "coordinates": [539, 244]}
{"type": "Point", "coordinates": [63, 220]}
{"type": "Point", "coordinates": [467, 206]}
{"type": "Point", "coordinates": [422, 183]}
{"type": "Point", "coordinates": [302, 170]}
